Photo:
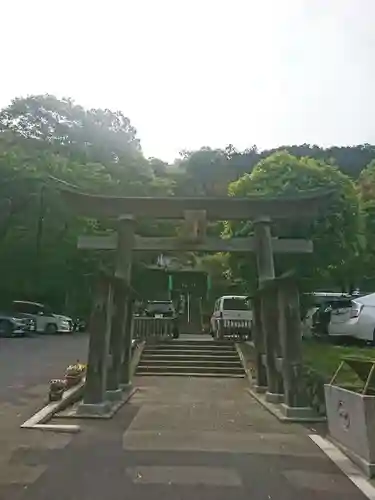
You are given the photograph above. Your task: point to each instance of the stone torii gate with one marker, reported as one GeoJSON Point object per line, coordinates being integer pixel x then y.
{"type": "Point", "coordinates": [195, 212]}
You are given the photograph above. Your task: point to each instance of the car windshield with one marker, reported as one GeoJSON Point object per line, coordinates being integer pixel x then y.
{"type": "Point", "coordinates": [341, 304]}
{"type": "Point", "coordinates": [319, 300]}
{"type": "Point", "coordinates": [160, 306]}
{"type": "Point", "coordinates": [30, 308]}
{"type": "Point", "coordinates": [235, 304]}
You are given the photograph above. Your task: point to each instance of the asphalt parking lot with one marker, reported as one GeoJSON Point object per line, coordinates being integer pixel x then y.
{"type": "Point", "coordinates": [32, 361]}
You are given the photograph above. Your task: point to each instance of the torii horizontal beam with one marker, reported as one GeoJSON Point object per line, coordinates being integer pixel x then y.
{"type": "Point", "coordinates": [301, 205]}
{"type": "Point", "coordinates": [210, 244]}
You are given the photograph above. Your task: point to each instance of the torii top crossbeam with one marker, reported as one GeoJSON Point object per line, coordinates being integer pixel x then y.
{"type": "Point", "coordinates": [300, 205]}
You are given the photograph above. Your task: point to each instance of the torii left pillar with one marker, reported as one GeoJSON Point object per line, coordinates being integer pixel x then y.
{"type": "Point", "coordinates": [94, 399]}
{"type": "Point", "coordinates": [120, 342]}
{"type": "Point", "coordinates": [108, 331]}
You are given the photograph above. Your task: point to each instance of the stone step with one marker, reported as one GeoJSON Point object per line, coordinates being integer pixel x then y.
{"type": "Point", "coordinates": [198, 342]}
{"type": "Point", "coordinates": [188, 355]}
{"type": "Point", "coordinates": [234, 363]}
{"type": "Point", "coordinates": [149, 373]}
{"type": "Point", "coordinates": [158, 368]}
{"type": "Point", "coordinates": [191, 357]}
{"type": "Point", "coordinates": [193, 345]}
{"type": "Point", "coordinates": [149, 349]}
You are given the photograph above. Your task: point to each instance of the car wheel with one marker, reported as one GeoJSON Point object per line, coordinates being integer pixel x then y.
{"type": "Point", "coordinates": [6, 329]}
{"type": "Point", "coordinates": [51, 329]}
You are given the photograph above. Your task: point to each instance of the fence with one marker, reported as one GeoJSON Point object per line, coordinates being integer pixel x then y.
{"type": "Point", "coordinates": [147, 329]}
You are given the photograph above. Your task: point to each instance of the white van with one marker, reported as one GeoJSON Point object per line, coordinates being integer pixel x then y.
{"type": "Point", "coordinates": [232, 317]}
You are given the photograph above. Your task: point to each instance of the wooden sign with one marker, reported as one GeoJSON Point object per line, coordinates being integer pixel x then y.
{"type": "Point", "coordinates": [195, 225]}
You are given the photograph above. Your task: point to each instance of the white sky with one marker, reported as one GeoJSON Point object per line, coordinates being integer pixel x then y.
{"type": "Point", "coordinates": [190, 73]}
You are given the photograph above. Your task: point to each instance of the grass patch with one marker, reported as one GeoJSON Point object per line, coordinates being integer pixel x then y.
{"type": "Point", "coordinates": [325, 358]}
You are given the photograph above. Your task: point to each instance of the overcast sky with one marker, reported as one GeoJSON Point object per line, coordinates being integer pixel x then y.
{"type": "Point", "coordinates": [190, 73]}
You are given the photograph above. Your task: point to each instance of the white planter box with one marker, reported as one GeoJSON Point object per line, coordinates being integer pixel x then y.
{"type": "Point", "coordinates": [351, 422]}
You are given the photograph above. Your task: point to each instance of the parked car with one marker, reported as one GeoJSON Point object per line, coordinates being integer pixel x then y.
{"type": "Point", "coordinates": [322, 317]}
{"type": "Point", "coordinates": [46, 321]}
{"type": "Point", "coordinates": [16, 325]}
{"type": "Point", "coordinates": [354, 318]}
{"type": "Point", "coordinates": [79, 325]}
{"type": "Point", "coordinates": [163, 309]}
{"type": "Point", "coordinates": [160, 309]}
{"type": "Point", "coordinates": [232, 316]}
{"type": "Point", "coordinates": [314, 315]}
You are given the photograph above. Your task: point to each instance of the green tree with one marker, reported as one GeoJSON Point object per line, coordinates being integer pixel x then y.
{"type": "Point", "coordinates": [366, 190]}
{"type": "Point", "coordinates": [85, 137]}
{"type": "Point", "coordinates": [46, 143]}
{"type": "Point", "coordinates": [338, 236]}
{"type": "Point", "coordinates": [351, 160]}
{"type": "Point", "coordinates": [204, 172]}
{"type": "Point", "coordinates": [37, 233]}
{"type": "Point", "coordinates": [62, 123]}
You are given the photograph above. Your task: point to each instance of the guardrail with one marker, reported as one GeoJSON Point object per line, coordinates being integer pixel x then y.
{"type": "Point", "coordinates": [145, 328]}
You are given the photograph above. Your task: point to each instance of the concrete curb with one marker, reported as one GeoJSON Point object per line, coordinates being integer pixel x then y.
{"type": "Point", "coordinates": [368, 468]}
{"type": "Point", "coordinates": [275, 410]}
{"type": "Point", "coordinates": [67, 429]}
{"type": "Point", "coordinates": [346, 465]}
{"type": "Point", "coordinates": [113, 407]}
{"type": "Point", "coordinates": [136, 358]}
{"type": "Point", "coordinates": [39, 419]}
{"type": "Point", "coordinates": [73, 395]}
{"type": "Point", "coordinates": [243, 362]}
{"type": "Point", "coordinates": [273, 407]}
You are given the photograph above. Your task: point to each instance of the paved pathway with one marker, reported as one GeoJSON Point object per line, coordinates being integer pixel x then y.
{"type": "Point", "coordinates": [181, 438]}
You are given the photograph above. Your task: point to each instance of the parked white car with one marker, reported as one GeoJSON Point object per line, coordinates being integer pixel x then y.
{"type": "Point", "coordinates": [354, 318]}
{"type": "Point", "coordinates": [232, 314]}
{"type": "Point", "coordinates": [317, 299]}
{"type": "Point", "coordinates": [46, 321]}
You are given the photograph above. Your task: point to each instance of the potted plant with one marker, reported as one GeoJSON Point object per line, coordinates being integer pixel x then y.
{"type": "Point", "coordinates": [74, 374]}
{"type": "Point", "coordinates": [56, 389]}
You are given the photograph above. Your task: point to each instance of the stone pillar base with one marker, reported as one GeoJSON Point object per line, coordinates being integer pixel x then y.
{"type": "Point", "coordinates": [126, 387]}
{"type": "Point", "coordinates": [260, 389]}
{"type": "Point", "coordinates": [114, 395]}
{"type": "Point", "coordinates": [97, 409]}
{"type": "Point", "coordinates": [298, 412]}
{"type": "Point", "coordinates": [272, 397]}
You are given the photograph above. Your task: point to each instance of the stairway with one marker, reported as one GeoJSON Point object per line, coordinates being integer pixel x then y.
{"type": "Point", "coordinates": [191, 358]}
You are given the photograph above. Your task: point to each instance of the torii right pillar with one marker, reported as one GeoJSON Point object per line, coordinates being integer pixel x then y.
{"type": "Point", "coordinates": [268, 314]}
{"type": "Point", "coordinates": [280, 332]}
{"type": "Point", "coordinates": [295, 405]}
